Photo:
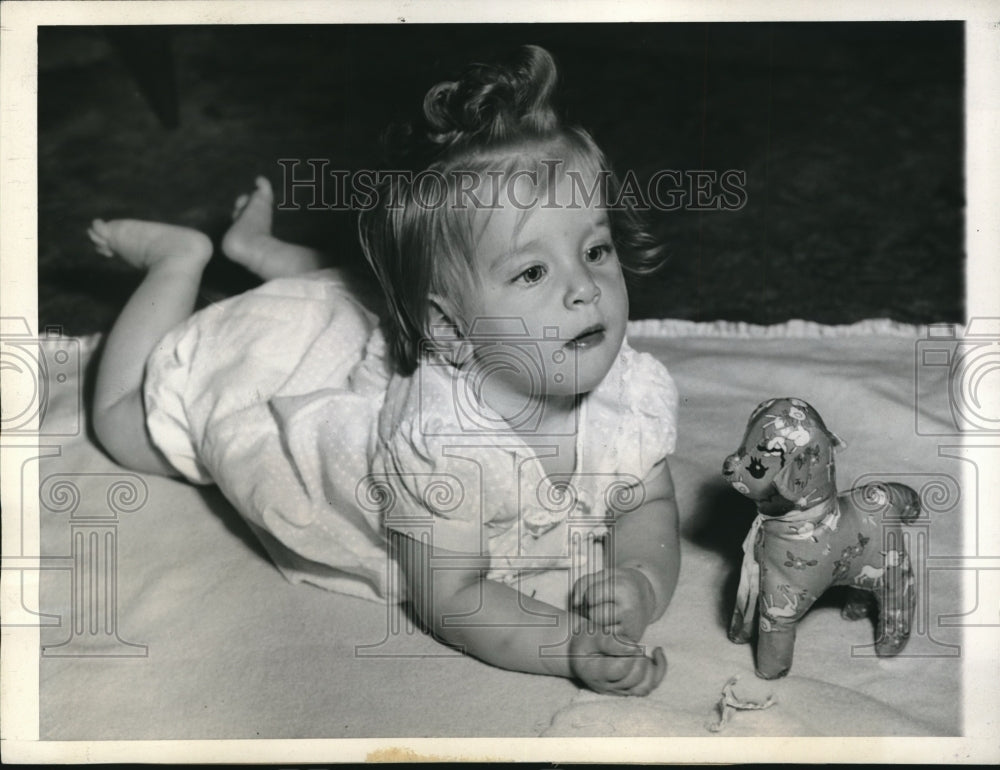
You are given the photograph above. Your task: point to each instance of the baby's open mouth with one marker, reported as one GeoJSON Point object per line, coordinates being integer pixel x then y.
{"type": "Point", "coordinates": [588, 338]}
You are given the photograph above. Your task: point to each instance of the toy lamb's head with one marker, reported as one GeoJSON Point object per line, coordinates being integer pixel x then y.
{"type": "Point", "coordinates": [786, 459]}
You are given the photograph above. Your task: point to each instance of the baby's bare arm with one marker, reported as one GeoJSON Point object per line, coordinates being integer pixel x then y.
{"type": "Point", "coordinates": [648, 538]}
{"type": "Point", "coordinates": [499, 632]}
{"type": "Point", "coordinates": [499, 625]}
{"type": "Point", "coordinates": [641, 574]}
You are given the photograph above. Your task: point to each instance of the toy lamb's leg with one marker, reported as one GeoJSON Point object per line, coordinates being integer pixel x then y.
{"type": "Point", "coordinates": [857, 606]}
{"type": "Point", "coordinates": [775, 647]}
{"type": "Point", "coordinates": [740, 627]}
{"type": "Point", "coordinates": [897, 602]}
{"type": "Point", "coordinates": [898, 599]}
{"type": "Point", "coordinates": [778, 619]}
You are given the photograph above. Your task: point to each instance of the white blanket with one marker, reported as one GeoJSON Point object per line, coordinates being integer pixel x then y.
{"type": "Point", "coordinates": [229, 649]}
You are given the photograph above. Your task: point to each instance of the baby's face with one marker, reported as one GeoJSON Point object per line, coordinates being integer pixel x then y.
{"type": "Point", "coordinates": [551, 288]}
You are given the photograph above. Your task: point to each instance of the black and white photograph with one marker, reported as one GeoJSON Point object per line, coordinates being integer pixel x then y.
{"type": "Point", "coordinates": [490, 383]}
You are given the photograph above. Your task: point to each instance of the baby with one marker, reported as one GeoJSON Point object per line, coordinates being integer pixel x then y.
{"type": "Point", "coordinates": [492, 430]}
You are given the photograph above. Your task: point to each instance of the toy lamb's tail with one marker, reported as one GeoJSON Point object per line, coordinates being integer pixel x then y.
{"type": "Point", "coordinates": [894, 500]}
{"type": "Point", "coordinates": [905, 501]}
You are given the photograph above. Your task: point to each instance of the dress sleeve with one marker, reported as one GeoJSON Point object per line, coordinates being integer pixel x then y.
{"type": "Point", "coordinates": [432, 489]}
{"type": "Point", "coordinates": [652, 398]}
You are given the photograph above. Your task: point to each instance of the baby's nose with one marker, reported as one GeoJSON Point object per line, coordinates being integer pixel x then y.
{"type": "Point", "coordinates": [582, 289]}
{"type": "Point", "coordinates": [729, 465]}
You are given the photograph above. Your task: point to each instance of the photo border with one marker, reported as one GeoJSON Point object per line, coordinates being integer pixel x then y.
{"type": "Point", "coordinates": [19, 710]}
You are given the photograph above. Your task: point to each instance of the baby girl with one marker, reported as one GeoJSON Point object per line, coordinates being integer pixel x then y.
{"type": "Point", "coordinates": [490, 451]}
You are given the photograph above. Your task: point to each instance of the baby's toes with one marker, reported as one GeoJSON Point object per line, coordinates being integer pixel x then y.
{"type": "Point", "coordinates": [100, 228]}
{"type": "Point", "coordinates": [239, 205]}
{"type": "Point", "coordinates": [98, 233]}
{"type": "Point", "coordinates": [264, 188]}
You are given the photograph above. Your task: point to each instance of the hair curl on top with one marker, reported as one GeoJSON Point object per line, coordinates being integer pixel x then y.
{"type": "Point", "coordinates": [495, 117]}
{"type": "Point", "coordinates": [494, 103]}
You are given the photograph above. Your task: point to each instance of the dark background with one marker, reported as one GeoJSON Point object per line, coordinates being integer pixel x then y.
{"type": "Point", "coordinates": [850, 135]}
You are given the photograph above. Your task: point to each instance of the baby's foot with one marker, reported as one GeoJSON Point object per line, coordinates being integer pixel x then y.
{"type": "Point", "coordinates": [248, 240]}
{"type": "Point", "coordinates": [146, 244]}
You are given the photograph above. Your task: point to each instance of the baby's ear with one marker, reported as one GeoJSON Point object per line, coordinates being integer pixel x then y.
{"type": "Point", "coordinates": [444, 330]}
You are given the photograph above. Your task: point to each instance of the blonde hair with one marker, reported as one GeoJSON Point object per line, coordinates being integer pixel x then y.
{"type": "Point", "coordinates": [493, 121]}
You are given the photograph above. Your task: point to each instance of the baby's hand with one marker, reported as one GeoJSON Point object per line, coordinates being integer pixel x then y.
{"type": "Point", "coordinates": [609, 665]}
{"type": "Point", "coordinates": [620, 601]}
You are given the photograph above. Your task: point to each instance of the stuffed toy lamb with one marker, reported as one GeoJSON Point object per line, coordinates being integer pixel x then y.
{"type": "Point", "coordinates": [806, 538]}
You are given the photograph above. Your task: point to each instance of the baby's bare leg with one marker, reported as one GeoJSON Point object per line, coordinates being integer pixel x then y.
{"type": "Point", "coordinates": [174, 258]}
{"type": "Point", "coordinates": [249, 241]}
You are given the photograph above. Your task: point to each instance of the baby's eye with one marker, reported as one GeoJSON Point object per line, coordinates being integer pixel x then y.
{"type": "Point", "coordinates": [533, 274]}
{"type": "Point", "coordinates": [597, 253]}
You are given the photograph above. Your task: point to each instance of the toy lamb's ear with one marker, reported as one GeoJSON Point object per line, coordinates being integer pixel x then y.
{"type": "Point", "coordinates": [836, 441]}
